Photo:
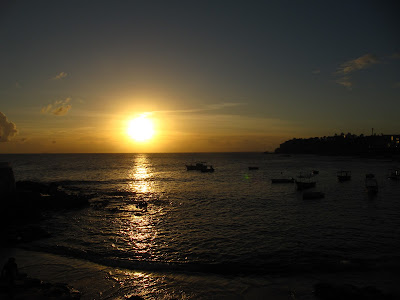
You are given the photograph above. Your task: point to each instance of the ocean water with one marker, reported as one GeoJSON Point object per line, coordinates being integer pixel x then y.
{"type": "Point", "coordinates": [215, 235]}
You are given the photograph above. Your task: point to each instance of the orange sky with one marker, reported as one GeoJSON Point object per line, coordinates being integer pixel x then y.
{"type": "Point", "coordinates": [212, 77]}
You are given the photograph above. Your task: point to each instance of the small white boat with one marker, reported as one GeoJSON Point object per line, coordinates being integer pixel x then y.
{"type": "Point", "coordinates": [394, 174]}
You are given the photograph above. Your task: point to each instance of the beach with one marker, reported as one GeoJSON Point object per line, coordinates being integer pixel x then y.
{"type": "Point", "coordinates": [95, 281]}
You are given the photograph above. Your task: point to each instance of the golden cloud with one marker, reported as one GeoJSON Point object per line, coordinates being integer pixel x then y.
{"type": "Point", "coordinates": [58, 108]}
{"type": "Point", "coordinates": [7, 129]}
{"type": "Point", "coordinates": [357, 64]}
{"type": "Point", "coordinates": [61, 75]}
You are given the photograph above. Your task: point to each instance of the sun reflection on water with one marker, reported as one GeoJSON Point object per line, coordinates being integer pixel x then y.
{"type": "Point", "coordinates": [137, 228]}
{"type": "Point", "coordinates": [140, 175]}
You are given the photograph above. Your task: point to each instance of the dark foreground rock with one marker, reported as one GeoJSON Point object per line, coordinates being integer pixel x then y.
{"type": "Point", "coordinates": [32, 288]}
{"type": "Point", "coordinates": [48, 196]}
{"type": "Point", "coordinates": [328, 291]}
{"type": "Point", "coordinates": [22, 211]}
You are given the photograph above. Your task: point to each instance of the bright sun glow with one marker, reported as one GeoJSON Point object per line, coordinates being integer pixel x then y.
{"type": "Point", "coordinates": [140, 129]}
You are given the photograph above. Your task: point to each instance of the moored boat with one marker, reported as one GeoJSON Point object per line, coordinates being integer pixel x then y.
{"type": "Point", "coordinates": [282, 180]}
{"type": "Point", "coordinates": [302, 185]}
{"type": "Point", "coordinates": [207, 169]}
{"type": "Point", "coordinates": [344, 175]}
{"type": "Point", "coordinates": [197, 166]}
{"type": "Point", "coordinates": [253, 168]}
{"type": "Point", "coordinates": [305, 182]}
{"type": "Point", "coordinates": [394, 174]}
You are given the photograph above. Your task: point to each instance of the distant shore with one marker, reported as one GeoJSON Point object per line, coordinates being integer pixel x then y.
{"type": "Point", "coordinates": [344, 144]}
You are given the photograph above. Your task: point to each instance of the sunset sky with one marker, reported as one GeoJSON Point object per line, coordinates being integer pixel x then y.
{"type": "Point", "coordinates": [210, 75]}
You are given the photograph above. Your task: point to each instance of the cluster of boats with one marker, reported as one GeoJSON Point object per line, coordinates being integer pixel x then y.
{"type": "Point", "coordinates": [305, 182]}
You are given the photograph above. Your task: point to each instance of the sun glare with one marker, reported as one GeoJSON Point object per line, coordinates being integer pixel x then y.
{"type": "Point", "coordinates": [140, 129]}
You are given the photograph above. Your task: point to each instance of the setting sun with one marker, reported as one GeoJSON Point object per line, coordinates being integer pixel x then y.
{"type": "Point", "coordinates": [140, 129]}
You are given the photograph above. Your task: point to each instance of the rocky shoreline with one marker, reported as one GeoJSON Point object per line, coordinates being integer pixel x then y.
{"type": "Point", "coordinates": [21, 214]}
{"type": "Point", "coordinates": [33, 288]}
{"type": "Point", "coordinates": [32, 202]}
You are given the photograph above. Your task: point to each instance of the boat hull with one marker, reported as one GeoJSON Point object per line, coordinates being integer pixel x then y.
{"type": "Point", "coordinates": [282, 180]}
{"type": "Point", "coordinates": [301, 185]}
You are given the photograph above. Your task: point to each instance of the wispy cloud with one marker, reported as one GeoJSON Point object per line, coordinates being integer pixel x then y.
{"type": "Point", "coordinates": [58, 108]}
{"type": "Point", "coordinates": [349, 67]}
{"type": "Point", "coordinates": [210, 107]}
{"type": "Point", "coordinates": [357, 64]}
{"type": "Point", "coordinates": [345, 81]}
{"type": "Point", "coordinates": [396, 85]}
{"type": "Point", "coordinates": [317, 71]}
{"type": "Point", "coordinates": [59, 76]}
{"type": "Point", "coordinates": [7, 129]}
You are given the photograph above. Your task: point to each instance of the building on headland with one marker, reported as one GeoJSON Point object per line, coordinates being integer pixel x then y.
{"type": "Point", "coordinates": [344, 144]}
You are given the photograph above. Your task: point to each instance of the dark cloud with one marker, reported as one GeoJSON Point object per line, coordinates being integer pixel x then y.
{"type": "Point", "coordinates": [7, 129]}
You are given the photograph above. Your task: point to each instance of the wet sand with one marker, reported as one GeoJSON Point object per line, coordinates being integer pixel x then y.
{"type": "Point", "coordinates": [95, 281]}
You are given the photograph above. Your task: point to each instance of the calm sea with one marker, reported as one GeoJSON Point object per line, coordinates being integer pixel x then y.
{"type": "Point", "coordinates": [232, 224]}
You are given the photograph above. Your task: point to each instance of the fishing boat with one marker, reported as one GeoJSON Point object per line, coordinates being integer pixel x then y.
{"type": "Point", "coordinates": [207, 169]}
{"type": "Point", "coordinates": [198, 166]}
{"type": "Point", "coordinates": [253, 168]}
{"type": "Point", "coordinates": [371, 184]}
{"type": "Point", "coordinates": [344, 175]}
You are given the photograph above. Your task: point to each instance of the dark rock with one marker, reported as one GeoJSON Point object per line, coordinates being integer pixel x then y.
{"type": "Point", "coordinates": [48, 196]}
{"type": "Point", "coordinates": [32, 288]}
{"type": "Point", "coordinates": [328, 291]}
{"type": "Point", "coordinates": [31, 203]}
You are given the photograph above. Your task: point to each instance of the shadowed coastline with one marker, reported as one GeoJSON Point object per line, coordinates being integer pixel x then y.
{"type": "Point", "coordinates": [344, 144]}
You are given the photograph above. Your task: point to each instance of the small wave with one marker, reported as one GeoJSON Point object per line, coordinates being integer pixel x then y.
{"type": "Point", "coordinates": [119, 259]}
